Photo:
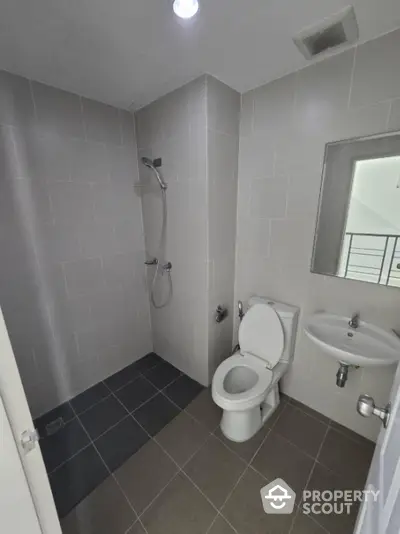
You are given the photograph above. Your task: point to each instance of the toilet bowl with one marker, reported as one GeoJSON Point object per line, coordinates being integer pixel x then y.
{"type": "Point", "coordinates": [245, 385]}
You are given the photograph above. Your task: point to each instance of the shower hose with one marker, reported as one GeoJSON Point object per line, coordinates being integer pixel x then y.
{"type": "Point", "coordinates": [161, 268]}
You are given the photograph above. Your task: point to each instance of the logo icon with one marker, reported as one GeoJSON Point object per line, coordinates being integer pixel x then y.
{"type": "Point", "coordinates": [277, 497]}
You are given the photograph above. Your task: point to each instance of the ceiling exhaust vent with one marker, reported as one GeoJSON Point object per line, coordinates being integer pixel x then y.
{"type": "Point", "coordinates": [332, 32]}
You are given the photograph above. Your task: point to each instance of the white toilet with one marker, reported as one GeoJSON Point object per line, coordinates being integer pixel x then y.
{"type": "Point", "coordinates": [245, 385]}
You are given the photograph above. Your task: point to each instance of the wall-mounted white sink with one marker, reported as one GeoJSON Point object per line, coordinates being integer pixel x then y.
{"type": "Point", "coordinates": [365, 346]}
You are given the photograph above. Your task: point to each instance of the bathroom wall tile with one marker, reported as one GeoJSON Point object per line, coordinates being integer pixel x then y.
{"type": "Point", "coordinates": [324, 88]}
{"type": "Point", "coordinates": [84, 276]}
{"type": "Point", "coordinates": [101, 122]}
{"type": "Point", "coordinates": [375, 79]}
{"type": "Point", "coordinates": [123, 164]}
{"type": "Point", "coordinates": [96, 239]}
{"type": "Point", "coordinates": [223, 106]}
{"type": "Point", "coordinates": [394, 119]}
{"type": "Point", "coordinates": [127, 122]}
{"type": "Point", "coordinates": [71, 202]}
{"type": "Point", "coordinates": [90, 162]}
{"type": "Point", "coordinates": [60, 241]}
{"type": "Point", "coordinates": [268, 197]}
{"type": "Point", "coordinates": [16, 104]}
{"type": "Point", "coordinates": [273, 106]}
{"type": "Point", "coordinates": [58, 111]}
{"type": "Point", "coordinates": [247, 113]}
{"type": "Point", "coordinates": [321, 114]}
{"type": "Point", "coordinates": [256, 157]}
{"type": "Point", "coordinates": [50, 157]}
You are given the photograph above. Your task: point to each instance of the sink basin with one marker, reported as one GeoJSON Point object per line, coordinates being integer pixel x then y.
{"type": "Point", "coordinates": [366, 346]}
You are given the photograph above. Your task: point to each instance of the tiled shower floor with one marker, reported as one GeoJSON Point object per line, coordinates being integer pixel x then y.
{"type": "Point", "coordinates": [142, 452]}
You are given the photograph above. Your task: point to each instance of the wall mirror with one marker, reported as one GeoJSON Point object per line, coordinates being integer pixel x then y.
{"type": "Point", "coordinates": [357, 234]}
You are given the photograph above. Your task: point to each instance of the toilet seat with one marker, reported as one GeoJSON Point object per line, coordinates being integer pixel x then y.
{"type": "Point", "coordinates": [246, 399]}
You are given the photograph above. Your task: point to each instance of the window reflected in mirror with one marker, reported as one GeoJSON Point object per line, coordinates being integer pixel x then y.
{"type": "Point", "coordinates": [358, 228]}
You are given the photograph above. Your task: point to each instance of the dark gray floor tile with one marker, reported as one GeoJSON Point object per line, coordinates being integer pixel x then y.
{"type": "Point", "coordinates": [156, 413]}
{"type": "Point", "coordinates": [179, 509]}
{"type": "Point", "coordinates": [247, 449]}
{"type": "Point", "coordinates": [215, 470]}
{"type": "Point", "coordinates": [62, 445]}
{"type": "Point", "coordinates": [145, 474]}
{"type": "Point", "coordinates": [278, 458]}
{"type": "Point", "coordinates": [90, 397]}
{"type": "Point", "coordinates": [182, 437]}
{"type": "Point", "coordinates": [347, 457]}
{"type": "Point", "coordinates": [301, 429]}
{"type": "Point", "coordinates": [220, 526]}
{"type": "Point", "coordinates": [123, 377]}
{"type": "Point", "coordinates": [104, 511]}
{"type": "Point", "coordinates": [309, 410]}
{"type": "Point", "coordinates": [136, 393]}
{"type": "Point", "coordinates": [162, 375]}
{"type": "Point", "coordinates": [352, 435]}
{"type": "Point", "coordinates": [323, 479]}
{"type": "Point", "coordinates": [245, 512]}
{"type": "Point", "coordinates": [305, 525]}
{"type": "Point", "coordinates": [73, 481]}
{"type": "Point", "coordinates": [119, 443]}
{"type": "Point", "coordinates": [204, 409]}
{"type": "Point", "coordinates": [103, 416]}
{"type": "Point", "coordinates": [64, 411]}
{"type": "Point", "coordinates": [148, 362]}
{"type": "Point", "coordinates": [136, 529]}
{"type": "Point", "coordinates": [183, 391]}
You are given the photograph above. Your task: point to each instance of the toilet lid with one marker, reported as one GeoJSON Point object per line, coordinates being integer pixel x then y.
{"type": "Point", "coordinates": [261, 334]}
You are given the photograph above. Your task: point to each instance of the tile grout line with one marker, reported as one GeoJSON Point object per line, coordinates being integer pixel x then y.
{"type": "Point", "coordinates": [310, 475]}
{"type": "Point", "coordinates": [114, 478]}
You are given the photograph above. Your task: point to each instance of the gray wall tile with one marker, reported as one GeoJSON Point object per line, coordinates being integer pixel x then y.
{"type": "Point", "coordinates": [57, 111]}
{"type": "Point", "coordinates": [16, 103]}
{"type": "Point", "coordinates": [101, 122]}
{"type": "Point", "coordinates": [84, 276]}
{"type": "Point", "coordinates": [310, 108]}
{"type": "Point", "coordinates": [67, 208]}
{"type": "Point", "coordinates": [376, 77]}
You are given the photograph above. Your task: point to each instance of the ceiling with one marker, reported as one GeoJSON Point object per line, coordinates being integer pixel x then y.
{"type": "Point", "coordinates": [131, 52]}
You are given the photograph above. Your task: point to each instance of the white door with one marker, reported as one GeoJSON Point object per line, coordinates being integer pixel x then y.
{"type": "Point", "coordinates": [26, 501]}
{"type": "Point", "coordinates": [382, 516]}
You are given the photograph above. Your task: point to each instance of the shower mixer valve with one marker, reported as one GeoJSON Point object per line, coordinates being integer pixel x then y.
{"type": "Point", "coordinates": [154, 261]}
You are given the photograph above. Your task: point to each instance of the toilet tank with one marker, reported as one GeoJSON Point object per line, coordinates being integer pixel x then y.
{"type": "Point", "coordinates": [288, 315]}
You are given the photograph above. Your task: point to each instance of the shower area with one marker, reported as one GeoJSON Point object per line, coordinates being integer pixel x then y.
{"type": "Point", "coordinates": [117, 244]}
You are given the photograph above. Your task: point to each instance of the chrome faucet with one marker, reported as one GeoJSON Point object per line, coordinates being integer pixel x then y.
{"type": "Point", "coordinates": [355, 321]}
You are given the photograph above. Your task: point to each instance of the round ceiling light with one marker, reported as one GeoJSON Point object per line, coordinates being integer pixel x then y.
{"type": "Point", "coordinates": [186, 9]}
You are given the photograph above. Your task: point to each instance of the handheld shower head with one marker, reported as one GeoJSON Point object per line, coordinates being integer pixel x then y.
{"type": "Point", "coordinates": [150, 164]}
